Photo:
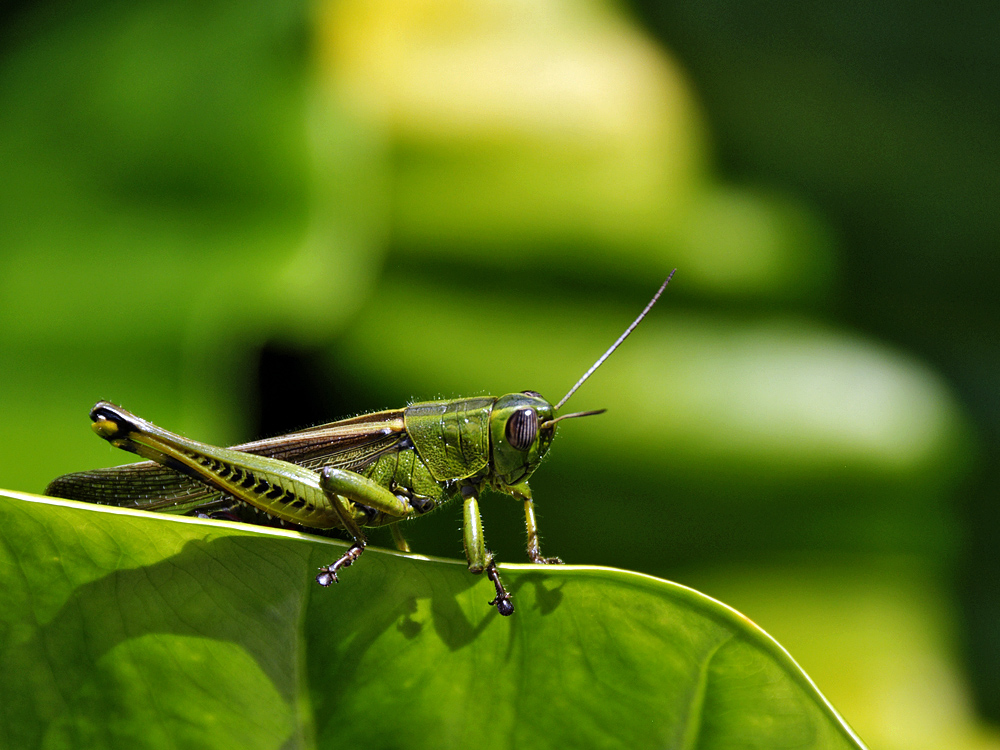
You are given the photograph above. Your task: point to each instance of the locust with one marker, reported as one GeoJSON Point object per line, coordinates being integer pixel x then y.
{"type": "Point", "coordinates": [371, 470]}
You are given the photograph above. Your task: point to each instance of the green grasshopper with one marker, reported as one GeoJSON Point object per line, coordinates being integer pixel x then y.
{"type": "Point", "coordinates": [371, 470]}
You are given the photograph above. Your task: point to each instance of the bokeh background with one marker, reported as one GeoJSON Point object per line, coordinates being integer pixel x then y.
{"type": "Point", "coordinates": [238, 219]}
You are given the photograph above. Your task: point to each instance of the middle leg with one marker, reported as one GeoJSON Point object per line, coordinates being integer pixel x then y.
{"type": "Point", "coordinates": [478, 557]}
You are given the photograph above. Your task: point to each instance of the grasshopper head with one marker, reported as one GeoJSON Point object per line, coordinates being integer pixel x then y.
{"type": "Point", "coordinates": [521, 431]}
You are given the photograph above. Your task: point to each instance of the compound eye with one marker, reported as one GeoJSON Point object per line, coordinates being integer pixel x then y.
{"type": "Point", "coordinates": [522, 428]}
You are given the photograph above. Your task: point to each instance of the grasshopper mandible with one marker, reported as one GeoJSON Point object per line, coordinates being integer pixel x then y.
{"type": "Point", "coordinates": [371, 470]}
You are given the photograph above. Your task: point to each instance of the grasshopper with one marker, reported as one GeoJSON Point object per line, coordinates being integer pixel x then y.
{"type": "Point", "coordinates": [371, 470]}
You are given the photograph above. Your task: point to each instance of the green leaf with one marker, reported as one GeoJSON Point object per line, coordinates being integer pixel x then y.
{"type": "Point", "coordinates": [125, 629]}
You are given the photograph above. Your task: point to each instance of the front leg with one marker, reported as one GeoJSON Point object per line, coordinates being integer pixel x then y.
{"type": "Point", "coordinates": [531, 524]}
{"type": "Point", "coordinates": [475, 549]}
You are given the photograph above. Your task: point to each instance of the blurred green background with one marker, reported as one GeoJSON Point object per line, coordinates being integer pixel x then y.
{"type": "Point", "coordinates": [240, 219]}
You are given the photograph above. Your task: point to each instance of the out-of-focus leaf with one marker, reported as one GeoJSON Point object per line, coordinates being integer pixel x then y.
{"type": "Point", "coordinates": [554, 134]}
{"type": "Point", "coordinates": [121, 629]}
{"type": "Point", "coordinates": [697, 389]}
{"type": "Point", "coordinates": [175, 192]}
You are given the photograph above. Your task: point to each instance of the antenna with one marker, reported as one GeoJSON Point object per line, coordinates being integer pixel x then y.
{"type": "Point", "coordinates": [618, 343]}
{"type": "Point", "coordinates": [552, 422]}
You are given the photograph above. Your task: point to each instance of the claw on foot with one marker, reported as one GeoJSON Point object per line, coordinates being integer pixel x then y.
{"type": "Point", "coordinates": [539, 560]}
{"type": "Point", "coordinates": [328, 573]}
{"type": "Point", "coordinates": [502, 600]}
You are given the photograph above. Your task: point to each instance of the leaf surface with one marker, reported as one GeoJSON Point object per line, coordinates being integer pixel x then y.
{"type": "Point", "coordinates": [124, 629]}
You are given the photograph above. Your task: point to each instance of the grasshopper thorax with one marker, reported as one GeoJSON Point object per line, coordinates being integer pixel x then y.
{"type": "Point", "coordinates": [521, 430]}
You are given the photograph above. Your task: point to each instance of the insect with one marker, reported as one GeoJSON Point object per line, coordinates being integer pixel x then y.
{"type": "Point", "coordinates": [371, 470]}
